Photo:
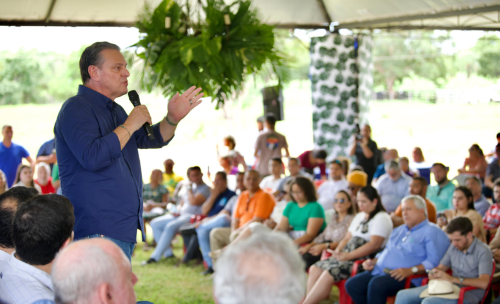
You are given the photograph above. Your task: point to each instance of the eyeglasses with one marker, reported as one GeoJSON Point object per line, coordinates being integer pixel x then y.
{"type": "Point", "coordinates": [351, 188]}
{"type": "Point", "coordinates": [341, 201]}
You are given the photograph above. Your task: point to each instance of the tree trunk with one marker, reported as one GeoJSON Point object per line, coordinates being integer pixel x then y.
{"type": "Point", "coordinates": [389, 82]}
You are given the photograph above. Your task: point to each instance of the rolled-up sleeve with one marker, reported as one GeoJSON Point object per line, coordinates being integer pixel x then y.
{"type": "Point", "coordinates": [80, 129]}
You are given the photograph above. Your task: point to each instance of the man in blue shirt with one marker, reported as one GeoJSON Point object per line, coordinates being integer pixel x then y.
{"type": "Point", "coordinates": [11, 155]}
{"type": "Point", "coordinates": [412, 248]}
{"type": "Point", "coordinates": [47, 153]}
{"type": "Point", "coordinates": [97, 147]}
{"type": "Point", "coordinates": [393, 186]}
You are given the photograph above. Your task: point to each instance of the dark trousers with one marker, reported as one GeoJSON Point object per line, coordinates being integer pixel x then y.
{"type": "Point", "coordinates": [192, 246]}
{"type": "Point", "coordinates": [365, 288]}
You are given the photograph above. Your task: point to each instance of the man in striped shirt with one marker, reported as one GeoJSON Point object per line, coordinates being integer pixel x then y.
{"type": "Point", "coordinates": [41, 227]}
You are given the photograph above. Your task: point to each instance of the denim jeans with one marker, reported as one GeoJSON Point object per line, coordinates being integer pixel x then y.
{"type": "Point", "coordinates": [412, 296]}
{"type": "Point", "coordinates": [164, 229]}
{"type": "Point", "coordinates": [128, 248]}
{"type": "Point", "coordinates": [221, 220]}
{"type": "Point", "coordinates": [366, 288]}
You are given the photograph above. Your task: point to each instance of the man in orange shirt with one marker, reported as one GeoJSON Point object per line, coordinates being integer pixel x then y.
{"type": "Point", "coordinates": [418, 186]}
{"type": "Point", "coordinates": [254, 205]}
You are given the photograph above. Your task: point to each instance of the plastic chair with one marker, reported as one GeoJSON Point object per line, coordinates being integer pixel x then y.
{"type": "Point", "coordinates": [463, 290]}
{"type": "Point", "coordinates": [344, 297]}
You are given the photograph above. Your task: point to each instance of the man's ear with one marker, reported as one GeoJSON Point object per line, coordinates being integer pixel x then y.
{"type": "Point", "coordinates": [104, 294]}
{"type": "Point", "coordinates": [94, 72]}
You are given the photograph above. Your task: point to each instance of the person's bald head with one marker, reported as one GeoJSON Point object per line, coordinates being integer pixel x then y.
{"type": "Point", "coordinates": [391, 154]}
{"type": "Point", "coordinates": [93, 271]}
{"type": "Point", "coordinates": [252, 180]}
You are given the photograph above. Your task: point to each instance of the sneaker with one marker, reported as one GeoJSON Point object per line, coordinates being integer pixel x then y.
{"type": "Point", "coordinates": [208, 271]}
{"type": "Point", "coordinates": [150, 261]}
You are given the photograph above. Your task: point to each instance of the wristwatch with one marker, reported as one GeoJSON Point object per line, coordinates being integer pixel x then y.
{"type": "Point", "coordinates": [414, 269]}
{"type": "Point", "coordinates": [327, 245]}
{"type": "Point", "coordinates": [461, 281]}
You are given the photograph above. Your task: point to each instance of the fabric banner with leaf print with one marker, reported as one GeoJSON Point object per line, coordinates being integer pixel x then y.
{"type": "Point", "coordinates": [341, 77]}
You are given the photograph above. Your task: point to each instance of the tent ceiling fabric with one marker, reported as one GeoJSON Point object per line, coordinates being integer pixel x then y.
{"type": "Point", "coordinates": [357, 14]}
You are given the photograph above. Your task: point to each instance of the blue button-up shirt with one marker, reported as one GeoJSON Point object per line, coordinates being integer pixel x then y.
{"type": "Point", "coordinates": [424, 244]}
{"type": "Point", "coordinates": [392, 192]}
{"type": "Point", "coordinates": [103, 181]}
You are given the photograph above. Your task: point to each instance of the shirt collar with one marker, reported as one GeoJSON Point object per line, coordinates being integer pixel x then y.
{"type": "Point", "coordinates": [96, 98]}
{"type": "Point", "coordinates": [4, 256]}
{"type": "Point", "coordinates": [472, 246]}
{"type": "Point", "coordinates": [38, 274]}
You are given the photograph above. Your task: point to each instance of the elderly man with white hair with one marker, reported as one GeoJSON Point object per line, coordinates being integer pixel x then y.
{"type": "Point", "coordinates": [412, 248]}
{"type": "Point", "coordinates": [392, 186]}
{"type": "Point", "coordinates": [93, 271]}
{"type": "Point", "coordinates": [263, 269]}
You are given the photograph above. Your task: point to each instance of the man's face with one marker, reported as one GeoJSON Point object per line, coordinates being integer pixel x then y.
{"type": "Point", "coordinates": [260, 126]}
{"type": "Point", "coordinates": [335, 171]}
{"type": "Point", "coordinates": [416, 188]}
{"type": "Point", "coordinates": [496, 194]}
{"type": "Point", "coordinates": [391, 154]}
{"type": "Point", "coordinates": [353, 189]}
{"type": "Point", "coordinates": [366, 131]}
{"type": "Point", "coordinates": [461, 242]}
{"type": "Point", "coordinates": [439, 173]}
{"type": "Point", "coordinates": [293, 167]}
{"type": "Point", "coordinates": [252, 181]}
{"type": "Point", "coordinates": [274, 167]}
{"type": "Point", "coordinates": [195, 176]}
{"type": "Point", "coordinates": [474, 187]}
{"type": "Point", "coordinates": [7, 133]}
{"type": "Point", "coordinates": [169, 165]}
{"type": "Point", "coordinates": [113, 73]}
{"type": "Point", "coordinates": [411, 215]}
{"type": "Point", "coordinates": [240, 182]}
{"type": "Point", "coordinates": [394, 174]}
{"type": "Point", "coordinates": [219, 181]}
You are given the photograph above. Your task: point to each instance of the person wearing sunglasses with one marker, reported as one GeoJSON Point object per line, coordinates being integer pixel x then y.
{"type": "Point", "coordinates": [345, 210]}
{"type": "Point", "coordinates": [412, 248]}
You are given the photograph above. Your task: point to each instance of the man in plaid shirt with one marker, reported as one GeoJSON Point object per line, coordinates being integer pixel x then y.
{"type": "Point", "coordinates": [492, 217]}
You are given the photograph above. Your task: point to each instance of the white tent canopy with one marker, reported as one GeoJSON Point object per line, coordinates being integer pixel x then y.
{"type": "Point", "coordinates": [356, 14]}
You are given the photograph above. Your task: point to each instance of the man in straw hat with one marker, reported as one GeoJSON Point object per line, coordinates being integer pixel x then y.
{"type": "Point", "coordinates": [471, 263]}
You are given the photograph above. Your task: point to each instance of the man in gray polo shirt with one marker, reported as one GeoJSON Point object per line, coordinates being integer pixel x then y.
{"type": "Point", "coordinates": [470, 261]}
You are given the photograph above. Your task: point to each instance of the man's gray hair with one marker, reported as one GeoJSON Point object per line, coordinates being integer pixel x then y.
{"type": "Point", "coordinates": [76, 279]}
{"type": "Point", "coordinates": [418, 201]}
{"type": "Point", "coordinates": [391, 165]}
{"type": "Point", "coordinates": [475, 178]}
{"type": "Point", "coordinates": [266, 268]}
{"type": "Point", "coordinates": [92, 56]}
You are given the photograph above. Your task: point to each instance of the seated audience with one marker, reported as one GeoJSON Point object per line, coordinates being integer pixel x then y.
{"type": "Point", "coordinates": [365, 150]}
{"type": "Point", "coordinates": [219, 197]}
{"type": "Point", "coordinates": [165, 227]}
{"type": "Point", "coordinates": [328, 189]}
{"type": "Point", "coordinates": [330, 238]}
{"type": "Point", "coordinates": [221, 220]}
{"type": "Point", "coordinates": [262, 269]}
{"type": "Point", "coordinates": [3, 182]}
{"type": "Point", "coordinates": [235, 156]}
{"type": "Point", "coordinates": [404, 164]}
{"type": "Point", "coordinates": [492, 173]}
{"type": "Point", "coordinates": [412, 248]}
{"type": "Point", "coordinates": [418, 186]}
{"type": "Point", "coordinates": [312, 159]}
{"type": "Point", "coordinates": [481, 204]}
{"type": "Point", "coordinates": [41, 227]}
{"type": "Point", "coordinates": [303, 218]}
{"type": "Point", "coordinates": [44, 178]}
{"type": "Point", "coordinates": [356, 180]}
{"type": "Point", "coordinates": [24, 178]}
{"type": "Point", "coordinates": [170, 179]}
{"type": "Point", "coordinates": [476, 163]}
{"type": "Point", "coordinates": [294, 169]}
{"type": "Point", "coordinates": [464, 206]}
{"type": "Point", "coordinates": [93, 271]}
{"type": "Point", "coordinates": [9, 202]}
{"type": "Point", "coordinates": [254, 205]}
{"type": "Point", "coordinates": [270, 183]}
{"type": "Point", "coordinates": [367, 234]}
{"type": "Point", "coordinates": [392, 186]}
{"type": "Point", "coordinates": [269, 145]}
{"type": "Point", "coordinates": [492, 217]}
{"type": "Point", "coordinates": [389, 154]}
{"type": "Point", "coordinates": [442, 193]}
{"type": "Point", "coordinates": [467, 257]}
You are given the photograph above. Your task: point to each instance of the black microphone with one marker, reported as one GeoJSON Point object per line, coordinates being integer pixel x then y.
{"type": "Point", "coordinates": [134, 99]}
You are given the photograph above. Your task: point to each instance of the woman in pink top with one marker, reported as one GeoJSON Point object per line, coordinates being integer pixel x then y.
{"type": "Point", "coordinates": [311, 159]}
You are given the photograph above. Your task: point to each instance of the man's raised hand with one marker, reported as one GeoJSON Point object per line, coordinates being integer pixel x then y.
{"type": "Point", "coordinates": [180, 105]}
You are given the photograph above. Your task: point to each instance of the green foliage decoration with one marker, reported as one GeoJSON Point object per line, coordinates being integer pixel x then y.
{"type": "Point", "coordinates": [204, 51]}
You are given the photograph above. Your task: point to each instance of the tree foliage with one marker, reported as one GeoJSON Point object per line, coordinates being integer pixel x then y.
{"type": "Point", "coordinates": [488, 48]}
{"type": "Point", "coordinates": [205, 52]}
